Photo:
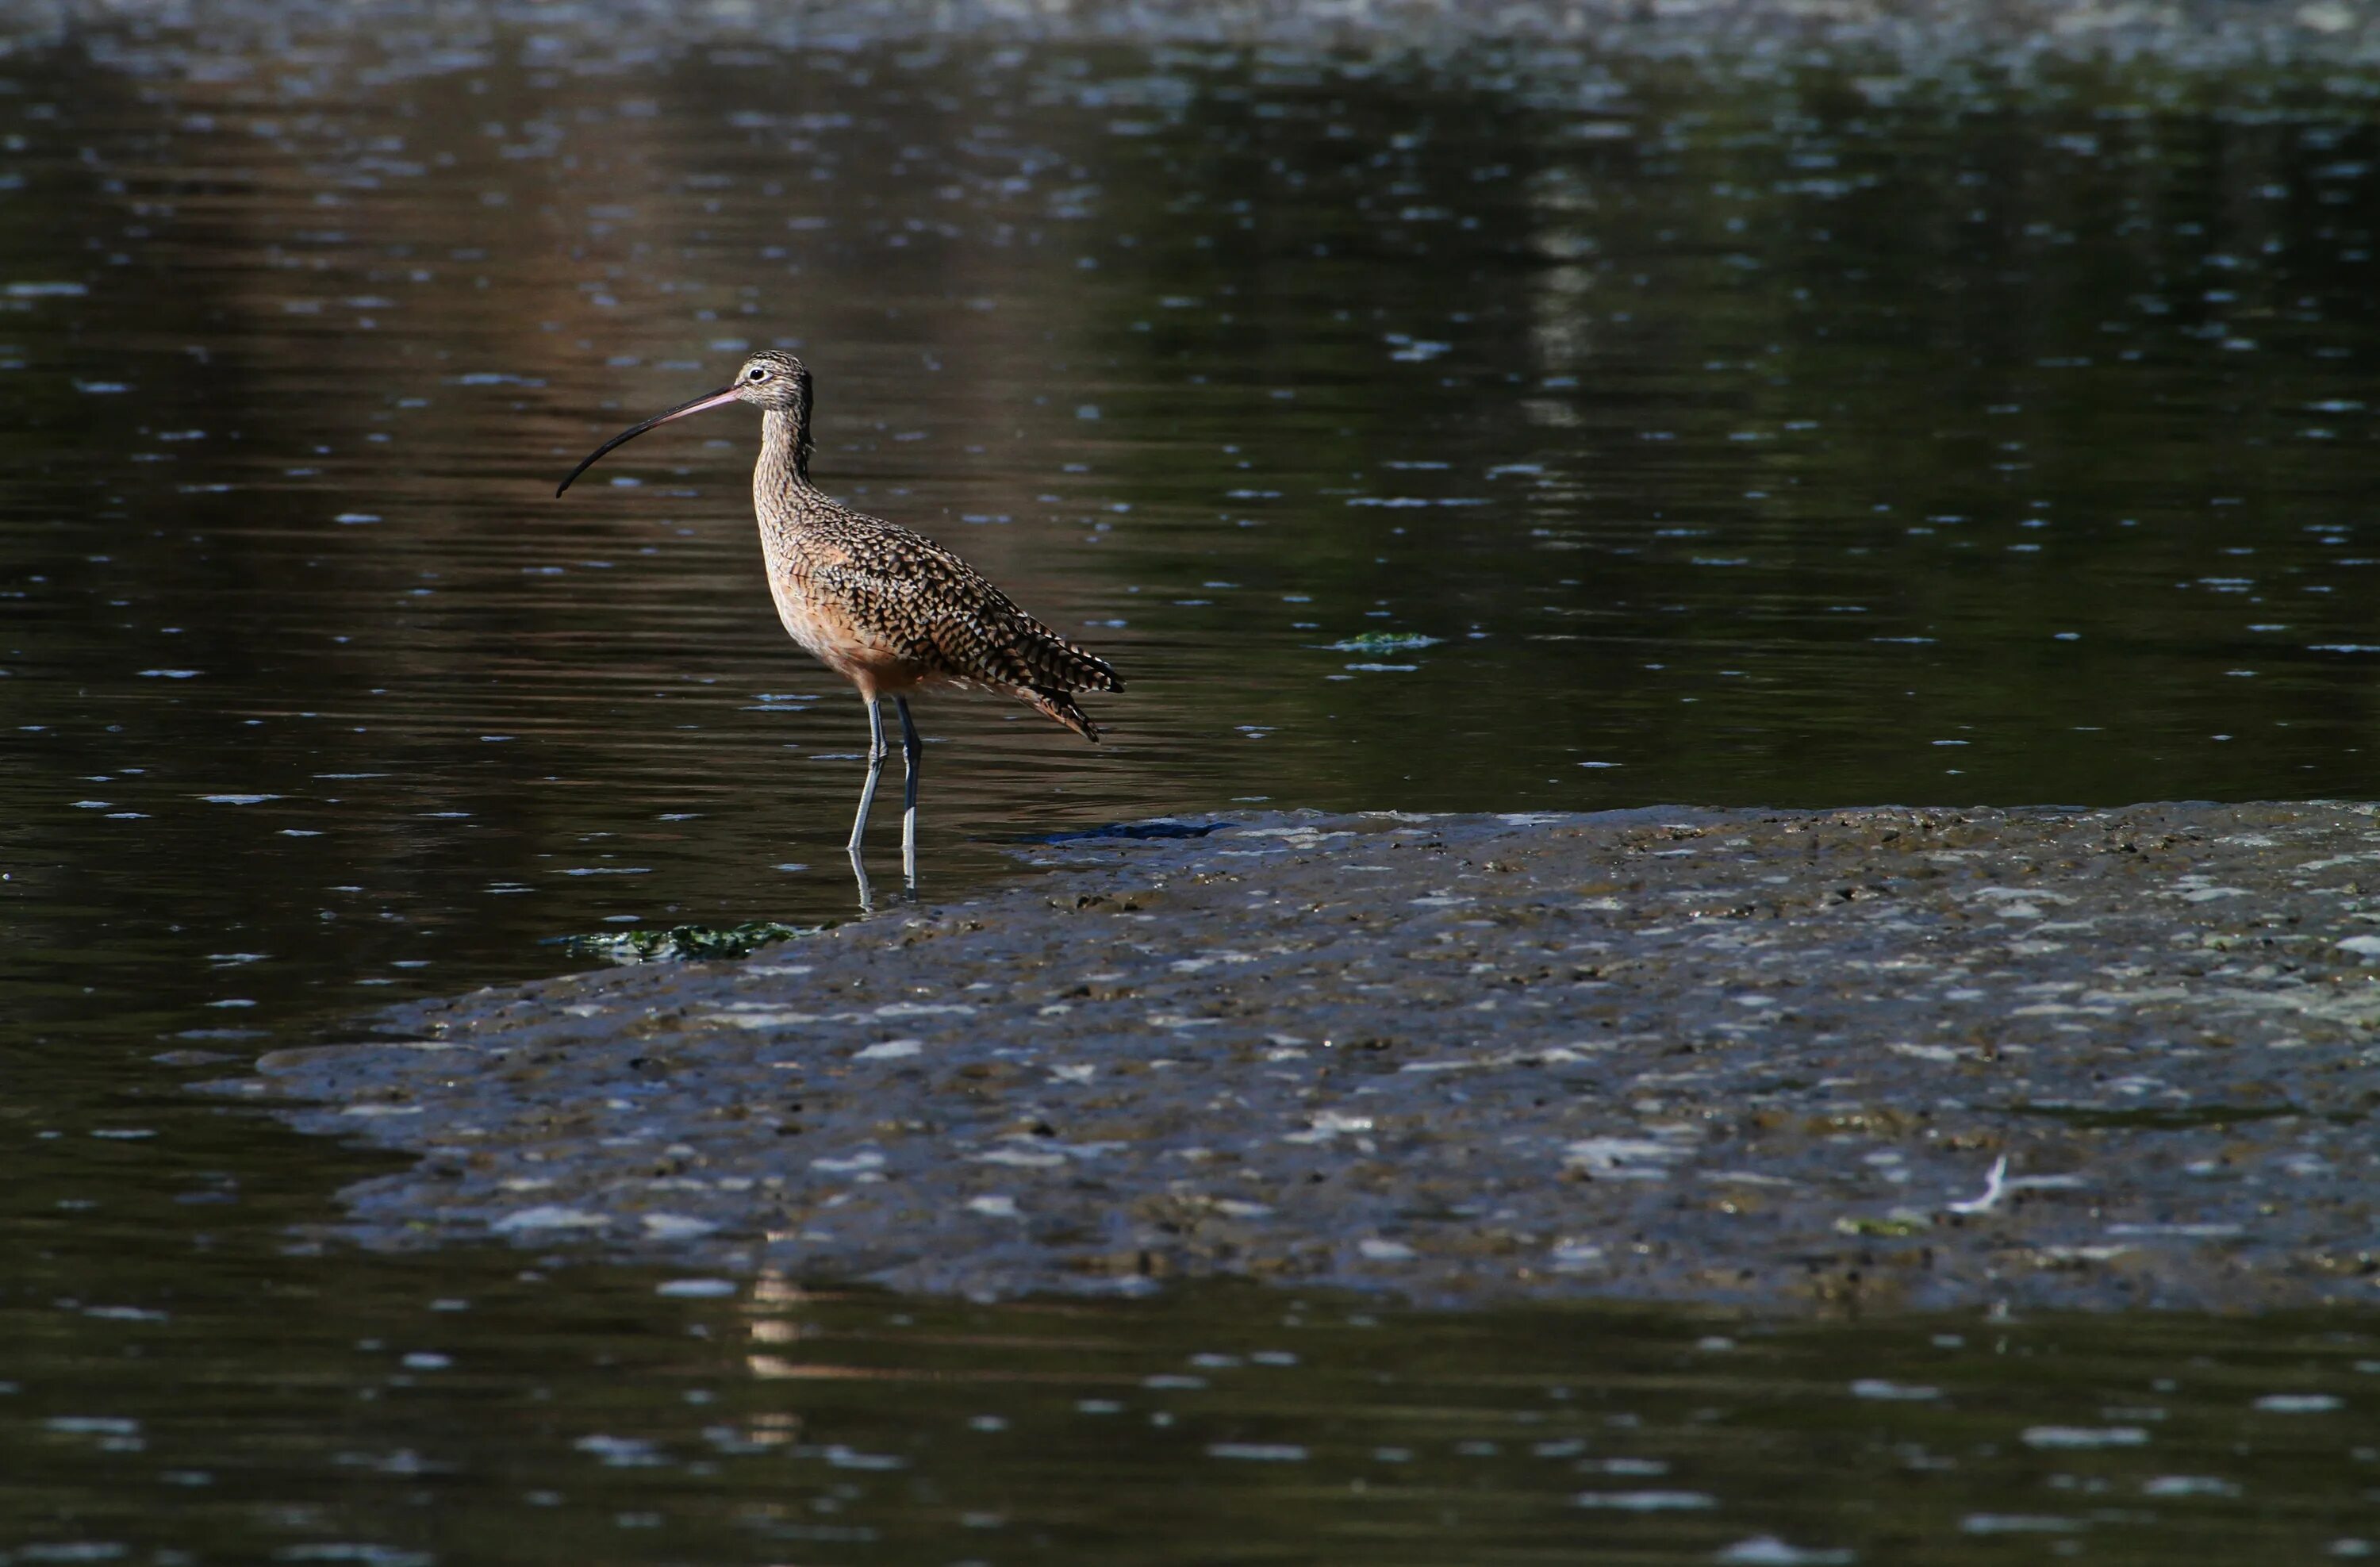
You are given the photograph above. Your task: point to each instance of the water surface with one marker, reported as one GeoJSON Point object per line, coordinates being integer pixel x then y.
{"type": "Point", "coordinates": [1764, 430]}
{"type": "Point", "coordinates": [406, 1415]}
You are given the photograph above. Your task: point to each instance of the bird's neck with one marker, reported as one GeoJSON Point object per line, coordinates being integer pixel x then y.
{"type": "Point", "coordinates": [784, 464]}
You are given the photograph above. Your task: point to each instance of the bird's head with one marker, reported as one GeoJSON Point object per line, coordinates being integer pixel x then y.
{"type": "Point", "coordinates": [771, 380]}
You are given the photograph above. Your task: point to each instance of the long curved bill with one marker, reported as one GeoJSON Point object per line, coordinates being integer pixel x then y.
{"type": "Point", "coordinates": [719, 398]}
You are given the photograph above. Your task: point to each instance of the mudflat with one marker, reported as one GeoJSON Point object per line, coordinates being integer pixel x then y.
{"type": "Point", "coordinates": [1872, 1059]}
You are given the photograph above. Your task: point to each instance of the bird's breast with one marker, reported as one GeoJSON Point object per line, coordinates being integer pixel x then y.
{"type": "Point", "coordinates": [839, 633]}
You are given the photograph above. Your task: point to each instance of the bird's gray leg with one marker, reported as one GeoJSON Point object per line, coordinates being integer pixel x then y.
{"type": "Point", "coordinates": [877, 751]}
{"type": "Point", "coordinates": [911, 757]}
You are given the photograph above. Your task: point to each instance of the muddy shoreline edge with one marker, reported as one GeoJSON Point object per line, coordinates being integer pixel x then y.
{"type": "Point", "coordinates": [1768, 1060]}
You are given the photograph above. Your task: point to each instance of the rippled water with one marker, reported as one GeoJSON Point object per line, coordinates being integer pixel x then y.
{"type": "Point", "coordinates": [585, 1417]}
{"type": "Point", "coordinates": [1513, 429]}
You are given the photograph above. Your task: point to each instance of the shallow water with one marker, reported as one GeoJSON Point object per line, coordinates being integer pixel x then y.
{"type": "Point", "coordinates": [1742, 430]}
{"type": "Point", "coordinates": [615, 1417]}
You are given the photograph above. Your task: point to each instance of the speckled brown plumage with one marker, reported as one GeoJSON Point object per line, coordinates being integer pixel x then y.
{"type": "Point", "coordinates": [888, 608]}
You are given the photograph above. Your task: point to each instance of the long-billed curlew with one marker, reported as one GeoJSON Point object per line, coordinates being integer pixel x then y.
{"type": "Point", "coordinates": [887, 609]}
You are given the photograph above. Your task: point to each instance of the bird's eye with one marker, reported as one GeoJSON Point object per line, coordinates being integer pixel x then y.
{"type": "Point", "coordinates": [757, 373]}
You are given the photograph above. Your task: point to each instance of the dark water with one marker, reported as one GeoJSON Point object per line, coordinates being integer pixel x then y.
{"type": "Point", "coordinates": [579, 1417]}
{"type": "Point", "coordinates": [1764, 430]}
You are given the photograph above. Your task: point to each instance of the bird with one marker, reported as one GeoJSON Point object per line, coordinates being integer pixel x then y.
{"type": "Point", "coordinates": [882, 606]}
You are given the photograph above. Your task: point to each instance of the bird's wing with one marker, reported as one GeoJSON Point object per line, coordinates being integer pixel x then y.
{"type": "Point", "coordinates": [920, 600]}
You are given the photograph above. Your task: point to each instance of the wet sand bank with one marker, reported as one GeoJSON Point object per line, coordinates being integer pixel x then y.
{"type": "Point", "coordinates": [1762, 1057]}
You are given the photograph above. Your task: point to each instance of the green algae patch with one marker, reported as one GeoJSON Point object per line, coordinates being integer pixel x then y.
{"type": "Point", "coordinates": [687, 943]}
{"type": "Point", "coordinates": [1385, 642]}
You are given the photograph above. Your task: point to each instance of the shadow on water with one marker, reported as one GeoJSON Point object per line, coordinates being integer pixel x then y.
{"type": "Point", "coordinates": [1131, 831]}
{"type": "Point", "coordinates": [1494, 431]}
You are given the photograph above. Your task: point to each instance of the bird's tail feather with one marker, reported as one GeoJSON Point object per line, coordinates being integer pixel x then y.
{"type": "Point", "coordinates": [1070, 668]}
{"type": "Point", "coordinates": [1060, 705]}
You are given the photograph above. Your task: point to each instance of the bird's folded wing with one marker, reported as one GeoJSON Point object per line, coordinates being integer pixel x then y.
{"type": "Point", "coordinates": [930, 608]}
